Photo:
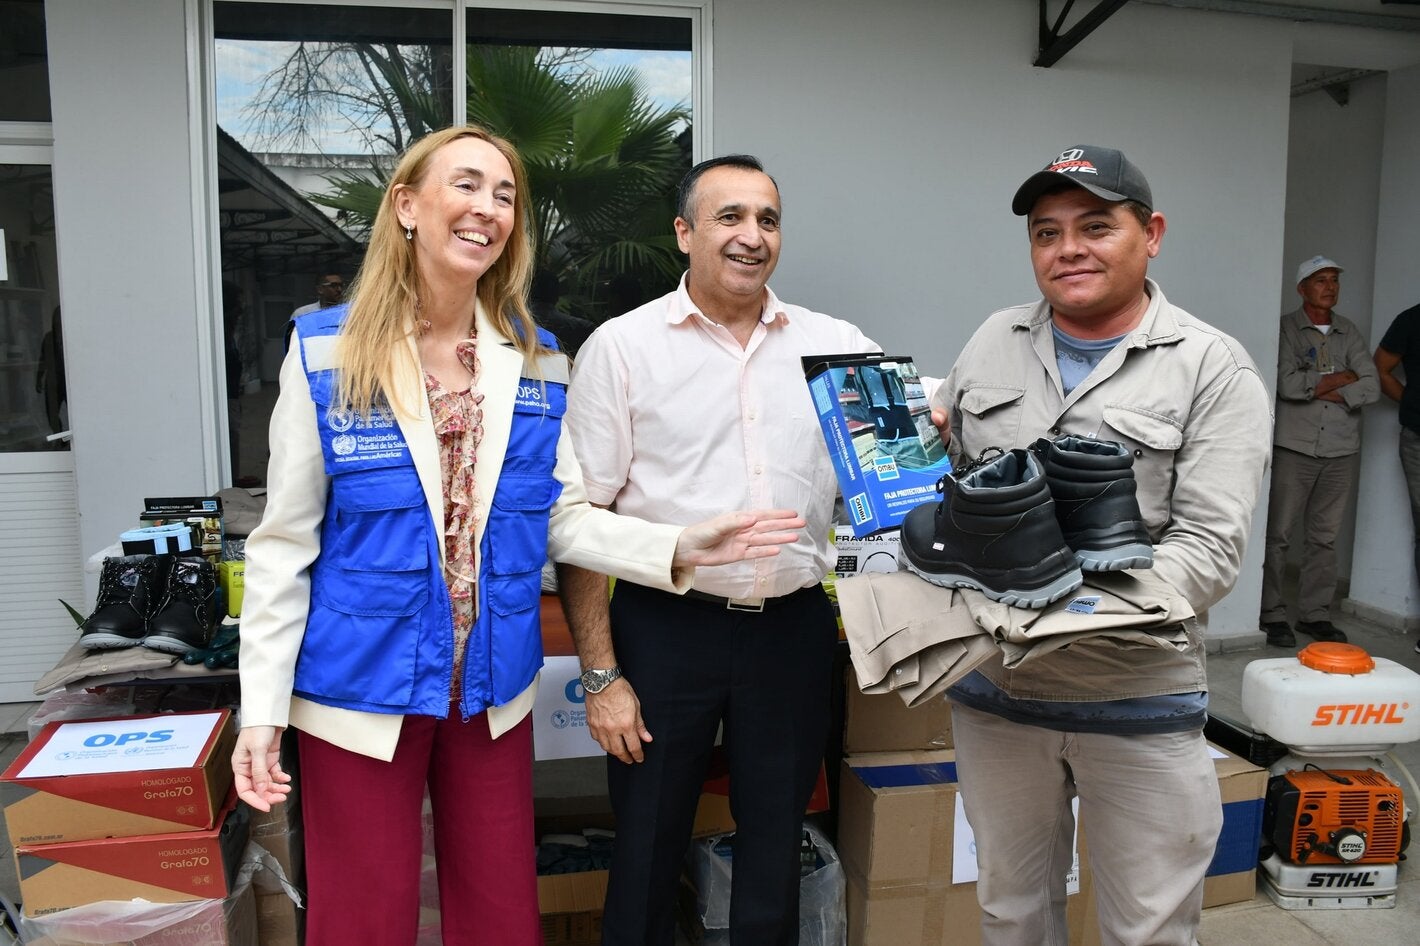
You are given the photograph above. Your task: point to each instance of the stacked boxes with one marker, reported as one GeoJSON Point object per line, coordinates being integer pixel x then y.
{"type": "Point", "coordinates": [881, 722]}
{"type": "Point", "coordinates": [902, 837]}
{"type": "Point", "coordinates": [229, 922]}
{"type": "Point", "coordinates": [1232, 877]}
{"type": "Point", "coordinates": [278, 920]}
{"type": "Point", "coordinates": [123, 808]}
{"type": "Point", "coordinates": [571, 904]}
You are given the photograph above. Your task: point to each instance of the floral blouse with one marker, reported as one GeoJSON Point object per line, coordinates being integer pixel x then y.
{"type": "Point", "coordinates": [458, 424]}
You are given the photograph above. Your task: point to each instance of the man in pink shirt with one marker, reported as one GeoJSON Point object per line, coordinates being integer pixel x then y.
{"type": "Point", "coordinates": [697, 401]}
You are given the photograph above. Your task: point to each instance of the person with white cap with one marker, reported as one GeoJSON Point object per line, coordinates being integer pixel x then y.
{"type": "Point", "coordinates": [1324, 377]}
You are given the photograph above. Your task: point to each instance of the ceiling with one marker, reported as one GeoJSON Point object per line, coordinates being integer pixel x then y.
{"type": "Point", "coordinates": [1375, 14]}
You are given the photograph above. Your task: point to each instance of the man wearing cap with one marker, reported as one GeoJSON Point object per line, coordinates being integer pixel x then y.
{"type": "Point", "coordinates": [1104, 354]}
{"type": "Point", "coordinates": [1324, 377]}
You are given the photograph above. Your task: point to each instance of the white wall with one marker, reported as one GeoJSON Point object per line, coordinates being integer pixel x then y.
{"type": "Point", "coordinates": [1382, 576]}
{"type": "Point", "coordinates": [1333, 177]}
{"type": "Point", "coordinates": [899, 132]}
{"type": "Point", "coordinates": [136, 319]}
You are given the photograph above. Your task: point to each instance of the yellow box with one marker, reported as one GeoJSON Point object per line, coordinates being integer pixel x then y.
{"type": "Point", "coordinates": [232, 575]}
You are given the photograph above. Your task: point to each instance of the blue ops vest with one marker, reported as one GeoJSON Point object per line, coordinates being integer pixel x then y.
{"type": "Point", "coordinates": [379, 636]}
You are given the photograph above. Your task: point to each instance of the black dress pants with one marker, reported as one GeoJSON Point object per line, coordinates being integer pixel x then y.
{"type": "Point", "coordinates": [766, 676]}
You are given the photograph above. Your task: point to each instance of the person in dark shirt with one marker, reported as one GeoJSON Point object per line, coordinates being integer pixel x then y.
{"type": "Point", "coordinates": [1400, 348]}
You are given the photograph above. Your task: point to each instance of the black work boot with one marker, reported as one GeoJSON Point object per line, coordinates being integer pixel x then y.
{"type": "Point", "coordinates": [994, 530]}
{"type": "Point", "coordinates": [187, 612]}
{"type": "Point", "coordinates": [1279, 633]}
{"type": "Point", "coordinates": [1092, 483]}
{"type": "Point", "coordinates": [1322, 631]}
{"type": "Point", "coordinates": [130, 586]}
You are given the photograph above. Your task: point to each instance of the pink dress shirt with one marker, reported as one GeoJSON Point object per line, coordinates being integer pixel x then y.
{"type": "Point", "coordinates": [674, 422]}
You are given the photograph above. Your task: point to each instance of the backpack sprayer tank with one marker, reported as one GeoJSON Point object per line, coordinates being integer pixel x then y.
{"type": "Point", "coordinates": [1333, 817]}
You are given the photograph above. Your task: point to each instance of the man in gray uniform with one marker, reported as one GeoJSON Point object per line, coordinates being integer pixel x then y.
{"type": "Point", "coordinates": [1325, 375]}
{"type": "Point", "coordinates": [1105, 355]}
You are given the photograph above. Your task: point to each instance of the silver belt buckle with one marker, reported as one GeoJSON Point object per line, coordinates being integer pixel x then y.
{"type": "Point", "coordinates": [754, 605]}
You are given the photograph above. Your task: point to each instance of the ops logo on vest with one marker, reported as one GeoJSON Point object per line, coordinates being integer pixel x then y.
{"type": "Point", "coordinates": [531, 397]}
{"type": "Point", "coordinates": [102, 739]}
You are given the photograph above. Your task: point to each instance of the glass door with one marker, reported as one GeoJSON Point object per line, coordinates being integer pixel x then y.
{"type": "Point", "coordinates": [34, 411]}
{"type": "Point", "coordinates": [40, 558]}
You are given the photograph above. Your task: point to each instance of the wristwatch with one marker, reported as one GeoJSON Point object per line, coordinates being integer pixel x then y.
{"type": "Point", "coordinates": [595, 681]}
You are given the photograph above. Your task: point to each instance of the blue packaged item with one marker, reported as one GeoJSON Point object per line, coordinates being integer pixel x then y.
{"type": "Point", "coordinates": [878, 426]}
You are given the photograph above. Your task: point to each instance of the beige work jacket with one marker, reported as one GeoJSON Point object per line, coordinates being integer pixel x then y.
{"type": "Point", "coordinates": [1188, 402]}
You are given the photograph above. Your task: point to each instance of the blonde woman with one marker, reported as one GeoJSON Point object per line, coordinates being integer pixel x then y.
{"type": "Point", "coordinates": [419, 477]}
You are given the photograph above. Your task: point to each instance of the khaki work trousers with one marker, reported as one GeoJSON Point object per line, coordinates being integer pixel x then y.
{"type": "Point", "coordinates": [1151, 813]}
{"type": "Point", "coordinates": [1317, 489]}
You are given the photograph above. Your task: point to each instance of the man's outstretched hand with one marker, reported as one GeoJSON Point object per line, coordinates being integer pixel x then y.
{"type": "Point", "coordinates": [736, 536]}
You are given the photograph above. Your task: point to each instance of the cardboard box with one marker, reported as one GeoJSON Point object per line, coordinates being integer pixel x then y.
{"type": "Point", "coordinates": [571, 904]}
{"type": "Point", "coordinates": [1232, 877]}
{"type": "Point", "coordinates": [560, 713]}
{"type": "Point", "coordinates": [120, 776]}
{"type": "Point", "coordinates": [862, 555]}
{"type": "Point", "coordinates": [898, 822]}
{"type": "Point", "coordinates": [229, 922]}
{"type": "Point", "coordinates": [571, 907]}
{"type": "Point", "coordinates": [878, 427]}
{"type": "Point", "coordinates": [161, 868]}
{"type": "Point", "coordinates": [881, 722]}
{"type": "Point", "coordinates": [289, 851]}
{"type": "Point", "coordinates": [895, 814]}
{"type": "Point", "coordinates": [278, 920]}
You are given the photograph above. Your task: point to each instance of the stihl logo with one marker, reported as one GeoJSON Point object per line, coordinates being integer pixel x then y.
{"type": "Point", "coordinates": [1359, 713]}
{"type": "Point", "coordinates": [1361, 879]}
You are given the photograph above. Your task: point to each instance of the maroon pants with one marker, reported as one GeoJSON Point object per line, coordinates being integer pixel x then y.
{"type": "Point", "coordinates": [364, 836]}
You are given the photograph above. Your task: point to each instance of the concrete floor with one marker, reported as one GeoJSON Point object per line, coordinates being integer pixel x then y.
{"type": "Point", "coordinates": [1255, 921]}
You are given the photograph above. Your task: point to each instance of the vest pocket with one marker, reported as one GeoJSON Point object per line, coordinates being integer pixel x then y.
{"type": "Point", "coordinates": [357, 591]}
{"type": "Point", "coordinates": [377, 515]}
{"type": "Point", "coordinates": [358, 658]}
{"type": "Point", "coordinates": [518, 529]}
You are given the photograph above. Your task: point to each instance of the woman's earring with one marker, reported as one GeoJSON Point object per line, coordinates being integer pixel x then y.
{"type": "Point", "coordinates": [408, 232]}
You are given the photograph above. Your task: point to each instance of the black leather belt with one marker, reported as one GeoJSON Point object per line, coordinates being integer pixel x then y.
{"type": "Point", "coordinates": [754, 605]}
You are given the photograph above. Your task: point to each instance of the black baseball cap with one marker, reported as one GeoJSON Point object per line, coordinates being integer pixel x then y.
{"type": "Point", "coordinates": [1104, 172]}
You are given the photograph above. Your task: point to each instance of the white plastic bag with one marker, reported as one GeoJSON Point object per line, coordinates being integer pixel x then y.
{"type": "Point", "coordinates": [822, 920]}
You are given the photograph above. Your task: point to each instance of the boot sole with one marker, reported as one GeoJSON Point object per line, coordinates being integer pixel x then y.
{"type": "Point", "coordinates": [1116, 559]}
{"type": "Point", "coordinates": [168, 645]}
{"type": "Point", "coordinates": [107, 642]}
{"type": "Point", "coordinates": [1021, 598]}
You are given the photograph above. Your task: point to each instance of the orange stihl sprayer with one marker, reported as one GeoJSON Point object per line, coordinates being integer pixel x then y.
{"type": "Point", "coordinates": [1334, 819]}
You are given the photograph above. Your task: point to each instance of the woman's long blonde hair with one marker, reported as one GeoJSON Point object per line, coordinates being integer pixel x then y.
{"type": "Point", "coordinates": [385, 295]}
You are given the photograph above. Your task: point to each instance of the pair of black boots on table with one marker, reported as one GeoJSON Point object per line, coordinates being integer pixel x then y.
{"type": "Point", "coordinates": [166, 603]}
{"type": "Point", "coordinates": [1021, 525]}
